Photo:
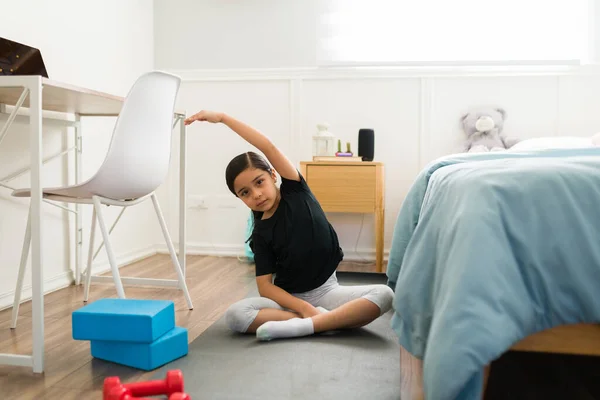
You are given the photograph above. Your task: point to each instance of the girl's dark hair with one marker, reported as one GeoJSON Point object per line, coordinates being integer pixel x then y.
{"type": "Point", "coordinates": [241, 163]}
{"type": "Point", "coordinates": [237, 166]}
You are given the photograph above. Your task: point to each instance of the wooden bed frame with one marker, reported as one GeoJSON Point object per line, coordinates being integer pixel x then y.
{"type": "Point", "coordinates": [579, 339]}
{"type": "Point", "coordinates": [576, 339]}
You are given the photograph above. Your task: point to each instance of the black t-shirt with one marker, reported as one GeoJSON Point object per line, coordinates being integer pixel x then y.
{"type": "Point", "coordinates": [296, 243]}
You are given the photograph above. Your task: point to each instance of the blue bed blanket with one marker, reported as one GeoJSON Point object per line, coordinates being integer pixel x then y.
{"type": "Point", "coordinates": [489, 248]}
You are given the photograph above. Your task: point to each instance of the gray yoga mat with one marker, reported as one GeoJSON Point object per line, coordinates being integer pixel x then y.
{"type": "Point", "coordinates": [355, 364]}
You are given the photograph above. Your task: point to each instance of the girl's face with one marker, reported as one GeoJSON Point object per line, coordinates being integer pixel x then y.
{"type": "Point", "coordinates": [256, 188]}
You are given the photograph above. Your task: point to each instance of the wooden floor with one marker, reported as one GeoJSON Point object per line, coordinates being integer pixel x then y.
{"type": "Point", "coordinates": [70, 372]}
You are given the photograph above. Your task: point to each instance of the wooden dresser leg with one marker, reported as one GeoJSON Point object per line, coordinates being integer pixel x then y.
{"type": "Point", "coordinates": [379, 221]}
{"type": "Point", "coordinates": [379, 217]}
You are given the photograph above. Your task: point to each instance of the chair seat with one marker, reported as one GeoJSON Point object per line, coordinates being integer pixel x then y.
{"type": "Point", "coordinates": [75, 191]}
{"type": "Point", "coordinates": [81, 193]}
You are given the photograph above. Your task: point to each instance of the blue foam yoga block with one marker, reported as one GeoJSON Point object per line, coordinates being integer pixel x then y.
{"type": "Point", "coordinates": [147, 356]}
{"type": "Point", "coordinates": [129, 320]}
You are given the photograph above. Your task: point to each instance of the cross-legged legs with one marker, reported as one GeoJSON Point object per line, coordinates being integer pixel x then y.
{"type": "Point", "coordinates": [349, 307]}
{"type": "Point", "coordinates": [246, 315]}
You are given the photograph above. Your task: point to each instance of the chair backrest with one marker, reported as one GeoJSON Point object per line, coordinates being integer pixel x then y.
{"type": "Point", "coordinates": [138, 157]}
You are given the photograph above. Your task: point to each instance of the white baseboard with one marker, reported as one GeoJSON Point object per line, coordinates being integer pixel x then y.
{"type": "Point", "coordinates": [363, 255]}
{"type": "Point", "coordinates": [224, 250]}
{"type": "Point", "coordinates": [205, 249]}
{"type": "Point", "coordinates": [66, 278]}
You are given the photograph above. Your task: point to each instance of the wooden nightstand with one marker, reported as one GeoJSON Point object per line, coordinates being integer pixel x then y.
{"type": "Point", "coordinates": [350, 187]}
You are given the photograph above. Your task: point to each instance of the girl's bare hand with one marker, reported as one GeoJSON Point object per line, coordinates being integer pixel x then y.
{"type": "Point", "coordinates": [205, 115]}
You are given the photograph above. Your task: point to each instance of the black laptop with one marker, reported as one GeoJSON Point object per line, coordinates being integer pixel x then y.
{"type": "Point", "coordinates": [20, 59]}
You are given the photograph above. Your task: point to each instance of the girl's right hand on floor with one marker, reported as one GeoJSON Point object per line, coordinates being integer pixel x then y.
{"type": "Point", "coordinates": [205, 115]}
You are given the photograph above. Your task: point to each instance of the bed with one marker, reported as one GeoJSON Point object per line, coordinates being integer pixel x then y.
{"type": "Point", "coordinates": [491, 252]}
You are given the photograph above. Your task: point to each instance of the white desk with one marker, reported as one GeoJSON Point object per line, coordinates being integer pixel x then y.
{"type": "Point", "coordinates": [41, 94]}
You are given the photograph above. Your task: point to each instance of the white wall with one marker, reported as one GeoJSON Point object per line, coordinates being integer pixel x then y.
{"type": "Point", "coordinates": [103, 46]}
{"type": "Point", "coordinates": [256, 60]}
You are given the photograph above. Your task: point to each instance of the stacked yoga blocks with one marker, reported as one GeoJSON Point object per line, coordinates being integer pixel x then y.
{"type": "Point", "coordinates": [137, 333]}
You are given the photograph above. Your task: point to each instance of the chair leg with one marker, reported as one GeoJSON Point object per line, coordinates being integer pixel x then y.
{"type": "Point", "coordinates": [109, 232]}
{"type": "Point", "coordinates": [109, 250]}
{"type": "Point", "coordinates": [163, 225]}
{"type": "Point", "coordinates": [88, 275]}
{"type": "Point", "coordinates": [19, 288]}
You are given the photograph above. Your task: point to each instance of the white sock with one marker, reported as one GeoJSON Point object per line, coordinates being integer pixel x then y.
{"type": "Point", "coordinates": [294, 327]}
{"type": "Point", "coordinates": [322, 310]}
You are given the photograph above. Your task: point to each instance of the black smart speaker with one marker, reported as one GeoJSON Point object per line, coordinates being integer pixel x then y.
{"type": "Point", "coordinates": [366, 144]}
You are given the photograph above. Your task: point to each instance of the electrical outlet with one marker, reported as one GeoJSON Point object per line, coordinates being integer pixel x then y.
{"type": "Point", "coordinates": [197, 201]}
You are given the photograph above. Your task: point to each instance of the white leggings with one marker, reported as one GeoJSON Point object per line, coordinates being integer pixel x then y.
{"type": "Point", "coordinates": [330, 295]}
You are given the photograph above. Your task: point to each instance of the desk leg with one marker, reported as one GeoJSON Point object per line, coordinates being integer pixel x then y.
{"type": "Point", "coordinates": [78, 225]}
{"type": "Point", "coordinates": [379, 218]}
{"type": "Point", "coordinates": [37, 275]}
{"type": "Point", "coordinates": [182, 194]}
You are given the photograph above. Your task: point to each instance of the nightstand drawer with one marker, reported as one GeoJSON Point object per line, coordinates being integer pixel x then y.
{"type": "Point", "coordinates": [343, 188]}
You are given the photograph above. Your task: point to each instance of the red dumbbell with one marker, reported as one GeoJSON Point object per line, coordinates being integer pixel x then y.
{"type": "Point", "coordinates": [120, 393]}
{"type": "Point", "coordinates": [173, 383]}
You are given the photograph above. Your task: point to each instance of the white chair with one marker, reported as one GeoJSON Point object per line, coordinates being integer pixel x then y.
{"type": "Point", "coordinates": [135, 166]}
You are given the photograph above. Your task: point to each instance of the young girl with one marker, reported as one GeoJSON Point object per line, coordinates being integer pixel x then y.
{"type": "Point", "coordinates": [292, 240]}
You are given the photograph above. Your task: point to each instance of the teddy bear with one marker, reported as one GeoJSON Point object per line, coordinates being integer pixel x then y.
{"type": "Point", "coordinates": [483, 127]}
